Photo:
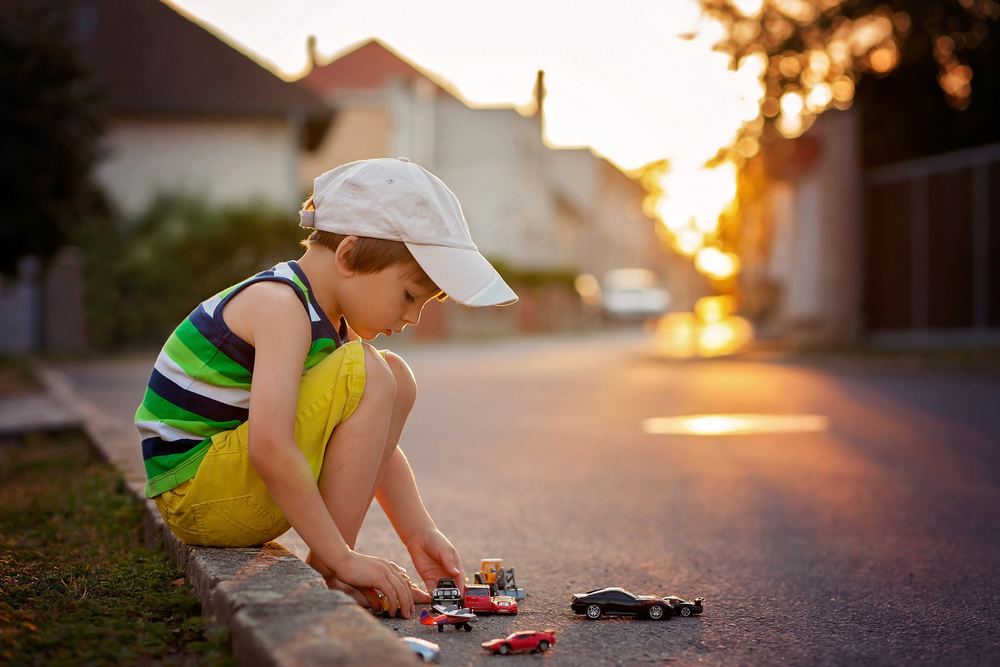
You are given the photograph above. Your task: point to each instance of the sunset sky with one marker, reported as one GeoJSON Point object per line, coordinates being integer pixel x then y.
{"type": "Point", "coordinates": [626, 77]}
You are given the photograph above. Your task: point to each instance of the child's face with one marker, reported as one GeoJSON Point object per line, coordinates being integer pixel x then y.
{"type": "Point", "coordinates": [383, 302]}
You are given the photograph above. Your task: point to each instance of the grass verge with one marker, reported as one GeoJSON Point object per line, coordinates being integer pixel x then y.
{"type": "Point", "coordinates": [76, 586]}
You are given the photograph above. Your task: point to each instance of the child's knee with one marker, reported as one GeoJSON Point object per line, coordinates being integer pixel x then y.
{"type": "Point", "coordinates": [406, 385]}
{"type": "Point", "coordinates": [379, 378]}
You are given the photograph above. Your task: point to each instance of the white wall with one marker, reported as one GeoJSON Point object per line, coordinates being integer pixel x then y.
{"type": "Point", "coordinates": [477, 155]}
{"type": "Point", "coordinates": [816, 253]}
{"type": "Point", "coordinates": [360, 131]}
{"type": "Point", "coordinates": [224, 162]}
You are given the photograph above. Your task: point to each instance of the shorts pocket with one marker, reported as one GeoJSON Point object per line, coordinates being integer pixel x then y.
{"type": "Point", "coordinates": [233, 522]}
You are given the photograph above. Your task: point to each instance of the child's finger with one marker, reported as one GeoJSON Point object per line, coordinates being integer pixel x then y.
{"type": "Point", "coordinates": [456, 568]}
{"type": "Point", "coordinates": [391, 594]}
{"type": "Point", "coordinates": [401, 588]}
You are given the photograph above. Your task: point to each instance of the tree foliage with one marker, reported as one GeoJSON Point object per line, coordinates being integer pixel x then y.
{"type": "Point", "coordinates": [144, 275]}
{"type": "Point", "coordinates": [818, 50]}
{"type": "Point", "coordinates": [48, 131]}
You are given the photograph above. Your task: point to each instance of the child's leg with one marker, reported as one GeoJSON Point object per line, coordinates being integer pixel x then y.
{"type": "Point", "coordinates": [361, 447]}
{"type": "Point", "coordinates": [356, 449]}
{"type": "Point", "coordinates": [406, 395]}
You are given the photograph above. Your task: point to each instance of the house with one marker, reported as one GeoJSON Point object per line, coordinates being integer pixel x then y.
{"type": "Point", "coordinates": [187, 114]}
{"type": "Point", "coordinates": [901, 255]}
{"type": "Point", "coordinates": [530, 207]}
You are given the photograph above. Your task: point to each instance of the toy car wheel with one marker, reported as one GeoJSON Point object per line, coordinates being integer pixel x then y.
{"type": "Point", "coordinates": [657, 612]}
{"type": "Point", "coordinates": [504, 649]}
{"type": "Point", "coordinates": [543, 646]}
{"type": "Point", "coordinates": [685, 611]}
{"type": "Point", "coordinates": [594, 612]}
{"type": "Point", "coordinates": [467, 627]}
{"type": "Point", "coordinates": [440, 628]}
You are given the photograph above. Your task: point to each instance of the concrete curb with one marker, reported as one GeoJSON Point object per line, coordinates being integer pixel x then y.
{"type": "Point", "coordinates": [278, 609]}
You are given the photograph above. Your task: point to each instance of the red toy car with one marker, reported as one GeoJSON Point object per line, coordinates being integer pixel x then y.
{"type": "Point", "coordinates": [522, 641]}
{"type": "Point", "coordinates": [504, 604]}
{"type": "Point", "coordinates": [477, 598]}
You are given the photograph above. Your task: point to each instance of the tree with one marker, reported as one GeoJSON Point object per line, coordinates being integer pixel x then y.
{"type": "Point", "coordinates": [48, 131]}
{"type": "Point", "coordinates": [932, 53]}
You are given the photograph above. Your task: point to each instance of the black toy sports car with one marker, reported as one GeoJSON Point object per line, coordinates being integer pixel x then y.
{"type": "Point", "coordinates": [446, 593]}
{"type": "Point", "coordinates": [617, 601]}
{"type": "Point", "coordinates": [684, 607]}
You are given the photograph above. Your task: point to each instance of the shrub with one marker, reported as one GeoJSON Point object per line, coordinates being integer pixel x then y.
{"type": "Point", "coordinates": [143, 276]}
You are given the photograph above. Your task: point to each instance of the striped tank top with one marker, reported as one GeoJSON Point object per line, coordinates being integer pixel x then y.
{"type": "Point", "coordinates": [200, 384]}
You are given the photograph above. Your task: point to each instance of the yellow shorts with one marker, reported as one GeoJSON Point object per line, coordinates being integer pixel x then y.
{"type": "Point", "coordinates": [226, 504]}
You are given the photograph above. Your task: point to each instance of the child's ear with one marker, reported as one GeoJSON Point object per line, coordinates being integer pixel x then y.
{"type": "Point", "coordinates": [343, 255]}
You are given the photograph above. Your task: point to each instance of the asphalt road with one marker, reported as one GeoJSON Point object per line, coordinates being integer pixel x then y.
{"type": "Point", "coordinates": [874, 542]}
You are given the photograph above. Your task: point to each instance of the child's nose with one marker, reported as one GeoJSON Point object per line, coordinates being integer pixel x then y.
{"type": "Point", "coordinates": [412, 315]}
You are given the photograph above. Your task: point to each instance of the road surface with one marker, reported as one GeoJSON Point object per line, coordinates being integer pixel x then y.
{"type": "Point", "coordinates": [876, 541]}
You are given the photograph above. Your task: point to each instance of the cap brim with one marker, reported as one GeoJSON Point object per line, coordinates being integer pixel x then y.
{"type": "Point", "coordinates": [464, 275]}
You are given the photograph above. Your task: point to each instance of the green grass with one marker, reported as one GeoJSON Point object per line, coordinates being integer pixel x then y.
{"type": "Point", "coordinates": [76, 586]}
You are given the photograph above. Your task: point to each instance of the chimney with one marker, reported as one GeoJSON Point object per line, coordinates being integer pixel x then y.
{"type": "Point", "coordinates": [540, 96]}
{"type": "Point", "coordinates": [311, 50]}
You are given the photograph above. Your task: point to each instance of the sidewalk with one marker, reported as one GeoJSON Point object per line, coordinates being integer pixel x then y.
{"type": "Point", "coordinates": [278, 609]}
{"type": "Point", "coordinates": [34, 413]}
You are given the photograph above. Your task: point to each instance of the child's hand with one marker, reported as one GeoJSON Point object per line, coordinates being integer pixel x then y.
{"type": "Point", "coordinates": [435, 557]}
{"type": "Point", "coordinates": [369, 575]}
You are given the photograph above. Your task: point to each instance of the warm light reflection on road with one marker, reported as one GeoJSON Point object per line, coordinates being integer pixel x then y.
{"type": "Point", "coordinates": [735, 424]}
{"type": "Point", "coordinates": [708, 332]}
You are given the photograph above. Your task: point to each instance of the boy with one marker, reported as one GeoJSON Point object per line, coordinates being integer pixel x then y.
{"type": "Point", "coordinates": [265, 410]}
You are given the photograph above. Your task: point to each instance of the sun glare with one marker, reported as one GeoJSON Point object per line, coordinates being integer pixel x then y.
{"type": "Point", "coordinates": [735, 424]}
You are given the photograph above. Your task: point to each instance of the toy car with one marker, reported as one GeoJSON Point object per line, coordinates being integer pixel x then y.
{"type": "Point", "coordinates": [423, 649]}
{"type": "Point", "coordinates": [503, 604]}
{"type": "Point", "coordinates": [618, 601]}
{"type": "Point", "coordinates": [685, 607]}
{"type": "Point", "coordinates": [478, 598]}
{"type": "Point", "coordinates": [522, 641]}
{"type": "Point", "coordinates": [446, 593]}
{"type": "Point", "coordinates": [500, 579]}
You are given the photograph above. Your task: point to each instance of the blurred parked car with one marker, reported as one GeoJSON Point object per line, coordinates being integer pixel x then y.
{"type": "Point", "coordinates": [633, 295]}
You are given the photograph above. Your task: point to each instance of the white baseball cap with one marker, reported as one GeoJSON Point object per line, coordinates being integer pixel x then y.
{"type": "Point", "coordinates": [398, 200]}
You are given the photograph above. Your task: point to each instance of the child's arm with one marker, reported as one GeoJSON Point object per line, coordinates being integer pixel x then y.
{"type": "Point", "coordinates": [432, 554]}
{"type": "Point", "coordinates": [270, 317]}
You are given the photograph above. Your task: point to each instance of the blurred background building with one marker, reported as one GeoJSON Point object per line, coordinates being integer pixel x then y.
{"type": "Point", "coordinates": [532, 209]}
{"type": "Point", "coordinates": [188, 120]}
{"type": "Point", "coordinates": [187, 114]}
